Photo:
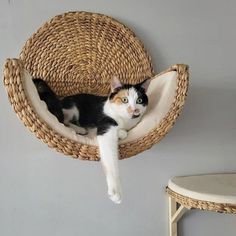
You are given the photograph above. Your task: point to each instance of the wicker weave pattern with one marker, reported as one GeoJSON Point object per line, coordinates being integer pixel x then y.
{"type": "Point", "coordinates": [79, 52]}
{"type": "Point", "coordinates": [202, 205]}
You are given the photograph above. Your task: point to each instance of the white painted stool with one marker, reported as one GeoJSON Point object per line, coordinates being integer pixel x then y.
{"type": "Point", "coordinates": [206, 192]}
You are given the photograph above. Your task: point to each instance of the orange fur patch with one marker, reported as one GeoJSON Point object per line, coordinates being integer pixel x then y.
{"type": "Point", "coordinates": [130, 110]}
{"type": "Point", "coordinates": [118, 97]}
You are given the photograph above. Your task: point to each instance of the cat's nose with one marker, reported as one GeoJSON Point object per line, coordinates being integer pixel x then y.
{"type": "Point", "coordinates": [133, 110]}
{"type": "Point", "coordinates": [136, 111]}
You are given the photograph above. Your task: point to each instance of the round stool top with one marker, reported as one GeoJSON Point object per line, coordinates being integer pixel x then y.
{"type": "Point", "coordinates": [218, 188]}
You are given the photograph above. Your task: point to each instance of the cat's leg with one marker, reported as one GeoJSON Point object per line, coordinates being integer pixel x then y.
{"type": "Point", "coordinates": [108, 146]}
{"type": "Point", "coordinates": [71, 118]}
{"type": "Point", "coordinates": [78, 129]}
{"type": "Point", "coordinates": [122, 133]}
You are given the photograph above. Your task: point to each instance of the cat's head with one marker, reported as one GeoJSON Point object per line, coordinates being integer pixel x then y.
{"type": "Point", "coordinates": [129, 101]}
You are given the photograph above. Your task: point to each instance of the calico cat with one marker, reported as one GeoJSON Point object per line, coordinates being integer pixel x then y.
{"type": "Point", "coordinates": [112, 116]}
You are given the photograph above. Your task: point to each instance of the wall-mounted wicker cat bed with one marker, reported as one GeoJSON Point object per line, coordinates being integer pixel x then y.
{"type": "Point", "coordinates": [79, 52]}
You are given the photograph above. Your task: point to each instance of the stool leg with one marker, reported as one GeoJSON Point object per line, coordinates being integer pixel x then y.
{"type": "Point", "coordinates": [172, 210]}
{"type": "Point", "coordinates": [175, 214]}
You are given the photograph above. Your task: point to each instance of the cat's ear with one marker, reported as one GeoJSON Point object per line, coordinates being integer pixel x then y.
{"type": "Point", "coordinates": [115, 83]}
{"type": "Point", "coordinates": [145, 84]}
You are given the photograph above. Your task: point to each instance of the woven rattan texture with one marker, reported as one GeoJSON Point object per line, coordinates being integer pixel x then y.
{"type": "Point", "coordinates": [79, 52]}
{"type": "Point", "coordinates": [202, 205]}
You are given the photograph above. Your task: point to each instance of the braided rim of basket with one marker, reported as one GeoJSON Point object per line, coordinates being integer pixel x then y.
{"type": "Point", "coordinates": [202, 205]}
{"type": "Point", "coordinates": [16, 94]}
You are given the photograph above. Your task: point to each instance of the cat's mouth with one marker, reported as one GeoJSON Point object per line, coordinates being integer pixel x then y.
{"type": "Point", "coordinates": [135, 116]}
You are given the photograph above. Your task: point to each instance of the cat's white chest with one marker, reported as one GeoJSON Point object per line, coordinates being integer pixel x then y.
{"type": "Point", "coordinates": [123, 122]}
{"type": "Point", "coordinates": [127, 124]}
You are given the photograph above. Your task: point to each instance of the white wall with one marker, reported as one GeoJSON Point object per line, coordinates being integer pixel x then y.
{"type": "Point", "coordinates": [44, 193]}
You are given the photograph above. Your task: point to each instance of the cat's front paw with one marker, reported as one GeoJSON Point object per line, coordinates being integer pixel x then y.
{"type": "Point", "coordinates": [81, 131]}
{"type": "Point", "coordinates": [122, 134]}
{"type": "Point", "coordinates": [114, 191]}
{"type": "Point", "coordinates": [115, 196]}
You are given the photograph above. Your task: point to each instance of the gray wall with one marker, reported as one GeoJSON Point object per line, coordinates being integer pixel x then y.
{"type": "Point", "coordinates": [44, 193]}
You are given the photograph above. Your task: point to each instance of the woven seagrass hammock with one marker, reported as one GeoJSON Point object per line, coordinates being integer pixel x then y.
{"type": "Point", "coordinates": [79, 52]}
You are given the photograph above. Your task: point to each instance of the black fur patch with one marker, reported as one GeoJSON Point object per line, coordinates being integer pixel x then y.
{"type": "Point", "coordinates": [50, 98]}
{"type": "Point", "coordinates": [105, 124]}
{"type": "Point", "coordinates": [91, 113]}
{"type": "Point", "coordinates": [141, 94]}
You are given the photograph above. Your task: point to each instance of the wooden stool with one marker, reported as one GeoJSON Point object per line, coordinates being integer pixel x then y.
{"type": "Point", "coordinates": [206, 192]}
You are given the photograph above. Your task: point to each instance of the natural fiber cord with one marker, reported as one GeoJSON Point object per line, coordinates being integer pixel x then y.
{"type": "Point", "coordinates": [79, 52]}
{"type": "Point", "coordinates": [202, 205]}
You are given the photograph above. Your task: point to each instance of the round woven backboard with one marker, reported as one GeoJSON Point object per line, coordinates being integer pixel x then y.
{"type": "Point", "coordinates": [80, 52]}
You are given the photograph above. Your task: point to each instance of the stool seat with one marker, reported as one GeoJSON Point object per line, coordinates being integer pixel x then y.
{"type": "Point", "coordinates": [211, 192]}
{"type": "Point", "coordinates": [218, 188]}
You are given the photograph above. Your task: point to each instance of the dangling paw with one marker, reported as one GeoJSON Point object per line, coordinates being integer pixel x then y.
{"type": "Point", "coordinates": [114, 191]}
{"type": "Point", "coordinates": [115, 196]}
{"type": "Point", "coordinates": [122, 134]}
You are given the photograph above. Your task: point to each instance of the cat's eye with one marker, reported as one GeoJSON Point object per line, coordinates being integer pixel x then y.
{"type": "Point", "coordinates": [139, 100]}
{"type": "Point", "coordinates": [124, 100]}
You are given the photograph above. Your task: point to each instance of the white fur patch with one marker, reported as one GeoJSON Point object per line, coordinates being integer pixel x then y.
{"type": "Point", "coordinates": [132, 96]}
{"type": "Point", "coordinates": [70, 113]}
